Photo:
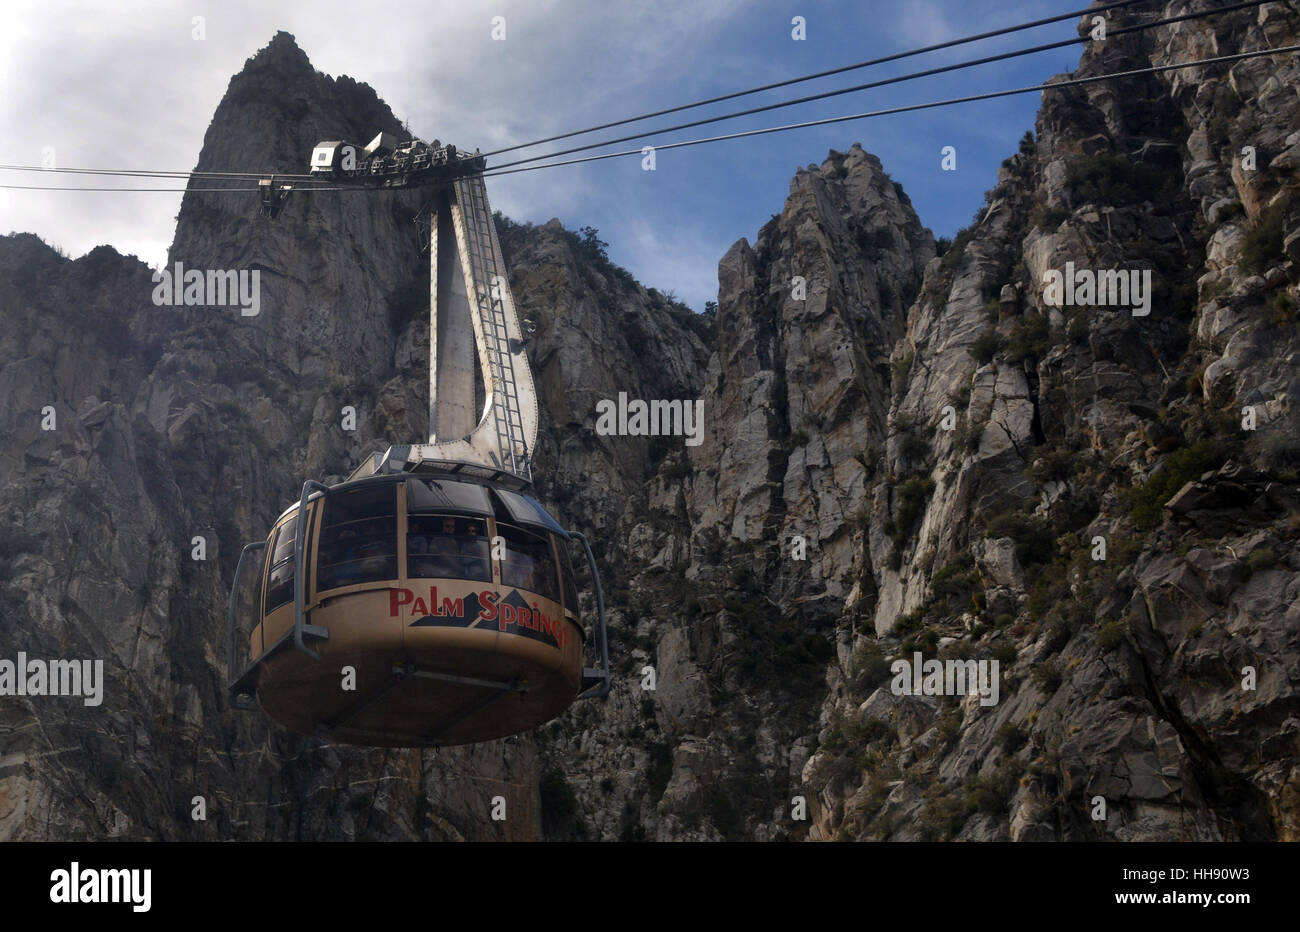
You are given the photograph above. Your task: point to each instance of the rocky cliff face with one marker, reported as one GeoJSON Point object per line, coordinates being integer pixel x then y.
{"type": "Point", "coordinates": [1072, 426]}
{"type": "Point", "coordinates": [941, 446]}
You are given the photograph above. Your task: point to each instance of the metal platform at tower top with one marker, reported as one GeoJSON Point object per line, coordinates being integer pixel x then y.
{"type": "Point", "coordinates": [420, 459]}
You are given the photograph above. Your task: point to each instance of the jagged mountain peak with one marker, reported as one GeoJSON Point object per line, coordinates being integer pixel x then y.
{"type": "Point", "coordinates": [282, 53]}
{"type": "Point", "coordinates": [279, 106]}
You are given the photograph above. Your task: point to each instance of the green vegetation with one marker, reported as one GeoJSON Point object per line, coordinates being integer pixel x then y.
{"type": "Point", "coordinates": [925, 641]}
{"type": "Point", "coordinates": [1180, 467]}
{"type": "Point", "coordinates": [992, 794]}
{"type": "Point", "coordinates": [1048, 675]}
{"type": "Point", "coordinates": [1262, 558]}
{"type": "Point", "coordinates": [909, 622]}
{"type": "Point", "coordinates": [1262, 246]}
{"type": "Point", "coordinates": [850, 731]}
{"type": "Point", "coordinates": [1111, 635]}
{"type": "Point", "coordinates": [1030, 338]}
{"type": "Point", "coordinates": [870, 458]}
{"type": "Point", "coordinates": [1116, 179]}
{"type": "Point", "coordinates": [912, 496]}
{"type": "Point", "coordinates": [1283, 309]}
{"type": "Point", "coordinates": [969, 436]}
{"type": "Point", "coordinates": [776, 649]}
{"type": "Point", "coordinates": [1050, 587]}
{"type": "Point", "coordinates": [1227, 104]}
{"type": "Point", "coordinates": [1048, 218]}
{"type": "Point", "coordinates": [1011, 737]}
{"type": "Point", "coordinates": [873, 243]}
{"type": "Point", "coordinates": [987, 345]}
{"type": "Point", "coordinates": [955, 583]}
{"type": "Point", "coordinates": [952, 255]}
{"type": "Point", "coordinates": [942, 818]}
{"type": "Point", "coordinates": [1230, 212]}
{"type": "Point", "coordinates": [899, 370]}
{"type": "Point", "coordinates": [913, 447]}
{"type": "Point", "coordinates": [589, 245]}
{"type": "Point", "coordinates": [869, 668]}
{"type": "Point", "coordinates": [1053, 466]}
{"type": "Point", "coordinates": [1033, 536]}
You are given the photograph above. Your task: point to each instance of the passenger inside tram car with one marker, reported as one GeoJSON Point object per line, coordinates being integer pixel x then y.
{"type": "Point", "coordinates": [476, 559]}
{"type": "Point", "coordinates": [447, 547]}
{"type": "Point", "coordinates": [444, 552]}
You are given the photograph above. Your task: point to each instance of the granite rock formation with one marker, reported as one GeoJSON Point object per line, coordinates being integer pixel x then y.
{"type": "Point", "coordinates": [945, 447]}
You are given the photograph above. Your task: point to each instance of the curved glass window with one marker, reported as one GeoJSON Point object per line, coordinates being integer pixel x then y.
{"type": "Point", "coordinates": [447, 547]}
{"type": "Point", "coordinates": [529, 563]}
{"type": "Point", "coordinates": [279, 581]}
{"type": "Point", "coordinates": [358, 540]}
{"type": "Point", "coordinates": [424, 496]}
{"type": "Point", "coordinates": [525, 510]}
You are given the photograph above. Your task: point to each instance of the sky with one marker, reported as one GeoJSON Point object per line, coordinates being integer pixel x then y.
{"type": "Point", "coordinates": [134, 85]}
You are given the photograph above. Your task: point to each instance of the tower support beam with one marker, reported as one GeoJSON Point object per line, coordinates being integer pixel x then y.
{"type": "Point", "coordinates": [472, 313]}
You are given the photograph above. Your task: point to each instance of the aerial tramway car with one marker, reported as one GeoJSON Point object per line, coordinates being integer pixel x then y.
{"type": "Point", "coordinates": [429, 599]}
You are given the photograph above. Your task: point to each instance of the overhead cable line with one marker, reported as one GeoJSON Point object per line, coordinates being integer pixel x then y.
{"type": "Point", "coordinates": [506, 170]}
{"type": "Point", "coordinates": [299, 178]}
{"type": "Point", "coordinates": [897, 56]}
{"type": "Point", "coordinates": [1003, 56]}
{"type": "Point", "coordinates": [42, 187]}
{"type": "Point", "coordinates": [1072, 82]}
{"type": "Point", "coordinates": [160, 173]}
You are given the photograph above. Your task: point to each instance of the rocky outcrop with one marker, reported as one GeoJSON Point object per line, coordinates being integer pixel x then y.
{"type": "Point", "coordinates": [1077, 519]}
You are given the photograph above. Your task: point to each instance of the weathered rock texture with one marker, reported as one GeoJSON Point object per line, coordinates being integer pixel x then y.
{"type": "Point", "coordinates": [845, 344]}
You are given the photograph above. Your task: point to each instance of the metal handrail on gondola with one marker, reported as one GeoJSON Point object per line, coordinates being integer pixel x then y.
{"type": "Point", "coordinates": [301, 631]}
{"type": "Point", "coordinates": [231, 677]}
{"type": "Point", "coordinates": [601, 673]}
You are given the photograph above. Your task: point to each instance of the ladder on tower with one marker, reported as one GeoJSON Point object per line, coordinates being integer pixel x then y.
{"type": "Point", "coordinates": [489, 294]}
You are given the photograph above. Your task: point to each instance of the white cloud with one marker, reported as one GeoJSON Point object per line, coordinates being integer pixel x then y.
{"type": "Point", "coordinates": [669, 259]}
{"type": "Point", "coordinates": [127, 87]}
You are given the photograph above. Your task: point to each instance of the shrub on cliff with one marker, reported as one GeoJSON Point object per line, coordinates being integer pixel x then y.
{"type": "Point", "coordinates": [1262, 246]}
{"type": "Point", "coordinates": [1182, 466]}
